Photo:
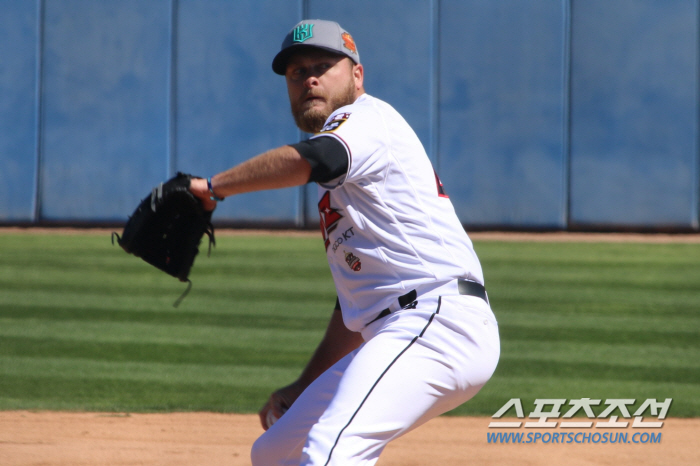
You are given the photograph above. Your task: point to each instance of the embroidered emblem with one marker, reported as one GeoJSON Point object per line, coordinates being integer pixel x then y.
{"type": "Point", "coordinates": [303, 32]}
{"type": "Point", "coordinates": [349, 42]}
{"type": "Point", "coordinates": [353, 261]}
{"type": "Point", "coordinates": [335, 123]}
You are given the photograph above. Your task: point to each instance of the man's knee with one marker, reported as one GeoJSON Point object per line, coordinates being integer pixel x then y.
{"type": "Point", "coordinates": [269, 450]}
{"type": "Point", "coordinates": [261, 453]}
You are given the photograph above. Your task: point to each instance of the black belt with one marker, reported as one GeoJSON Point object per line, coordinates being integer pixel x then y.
{"type": "Point", "coordinates": [465, 287]}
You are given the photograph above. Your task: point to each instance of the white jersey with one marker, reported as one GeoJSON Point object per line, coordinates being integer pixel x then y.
{"type": "Point", "coordinates": [388, 227]}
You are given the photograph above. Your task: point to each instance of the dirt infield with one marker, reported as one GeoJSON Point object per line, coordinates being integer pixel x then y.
{"type": "Point", "coordinates": [101, 439]}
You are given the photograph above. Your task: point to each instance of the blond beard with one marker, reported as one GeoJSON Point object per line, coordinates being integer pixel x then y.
{"type": "Point", "coordinates": [312, 120]}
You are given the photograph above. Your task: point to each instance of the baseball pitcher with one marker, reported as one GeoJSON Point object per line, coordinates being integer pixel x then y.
{"type": "Point", "coordinates": [412, 334]}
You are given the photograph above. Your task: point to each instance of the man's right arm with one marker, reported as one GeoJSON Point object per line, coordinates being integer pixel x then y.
{"type": "Point", "coordinates": [320, 160]}
{"type": "Point", "coordinates": [282, 167]}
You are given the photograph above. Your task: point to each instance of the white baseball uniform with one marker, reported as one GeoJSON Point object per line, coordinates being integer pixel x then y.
{"type": "Point", "coordinates": [399, 257]}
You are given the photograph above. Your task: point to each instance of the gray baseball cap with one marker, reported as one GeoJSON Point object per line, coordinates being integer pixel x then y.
{"type": "Point", "coordinates": [319, 33]}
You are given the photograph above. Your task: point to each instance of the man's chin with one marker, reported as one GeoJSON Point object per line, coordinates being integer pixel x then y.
{"type": "Point", "coordinates": [311, 121]}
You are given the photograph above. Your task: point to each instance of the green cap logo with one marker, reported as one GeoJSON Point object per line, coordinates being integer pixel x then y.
{"type": "Point", "coordinates": [303, 32]}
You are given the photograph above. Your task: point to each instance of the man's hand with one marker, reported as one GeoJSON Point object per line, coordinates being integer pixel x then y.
{"type": "Point", "coordinates": [279, 402]}
{"type": "Point", "coordinates": [198, 187]}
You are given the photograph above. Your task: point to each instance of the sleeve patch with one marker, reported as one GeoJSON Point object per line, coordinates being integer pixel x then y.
{"type": "Point", "coordinates": [335, 123]}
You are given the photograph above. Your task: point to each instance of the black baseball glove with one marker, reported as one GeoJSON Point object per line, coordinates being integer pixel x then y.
{"type": "Point", "coordinates": [167, 227]}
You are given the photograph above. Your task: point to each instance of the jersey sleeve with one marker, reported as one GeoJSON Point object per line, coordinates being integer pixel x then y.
{"type": "Point", "coordinates": [327, 157]}
{"type": "Point", "coordinates": [362, 132]}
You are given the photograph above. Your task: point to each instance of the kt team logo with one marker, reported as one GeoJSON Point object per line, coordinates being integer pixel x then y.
{"type": "Point", "coordinates": [330, 218]}
{"type": "Point", "coordinates": [353, 261]}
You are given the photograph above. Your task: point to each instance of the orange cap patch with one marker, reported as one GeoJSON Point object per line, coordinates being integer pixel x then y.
{"type": "Point", "coordinates": [349, 42]}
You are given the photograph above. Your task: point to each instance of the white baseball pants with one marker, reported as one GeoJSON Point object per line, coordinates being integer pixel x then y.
{"type": "Point", "coordinates": [415, 364]}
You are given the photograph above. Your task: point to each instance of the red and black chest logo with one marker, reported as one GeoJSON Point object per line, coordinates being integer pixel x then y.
{"type": "Point", "coordinates": [329, 217]}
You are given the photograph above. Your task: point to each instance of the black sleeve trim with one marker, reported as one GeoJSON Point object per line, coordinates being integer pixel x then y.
{"type": "Point", "coordinates": [327, 156]}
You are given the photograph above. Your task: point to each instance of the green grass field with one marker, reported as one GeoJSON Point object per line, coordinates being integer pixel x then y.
{"type": "Point", "coordinates": [84, 326]}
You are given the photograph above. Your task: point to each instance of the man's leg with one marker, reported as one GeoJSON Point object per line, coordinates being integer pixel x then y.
{"type": "Point", "coordinates": [421, 363]}
{"type": "Point", "coordinates": [282, 443]}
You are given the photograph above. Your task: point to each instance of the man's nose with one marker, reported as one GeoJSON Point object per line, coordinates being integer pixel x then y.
{"type": "Point", "coordinates": [311, 81]}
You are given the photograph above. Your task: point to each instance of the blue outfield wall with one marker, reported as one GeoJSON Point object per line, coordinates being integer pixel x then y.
{"type": "Point", "coordinates": [503, 101]}
{"type": "Point", "coordinates": [540, 114]}
{"type": "Point", "coordinates": [19, 49]}
{"type": "Point", "coordinates": [634, 113]}
{"type": "Point", "coordinates": [104, 110]}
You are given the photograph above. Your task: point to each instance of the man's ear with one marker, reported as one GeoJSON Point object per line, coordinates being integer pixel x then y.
{"type": "Point", "coordinates": [358, 73]}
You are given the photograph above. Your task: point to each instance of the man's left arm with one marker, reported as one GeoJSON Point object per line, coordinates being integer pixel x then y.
{"type": "Point", "coordinates": [337, 342]}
